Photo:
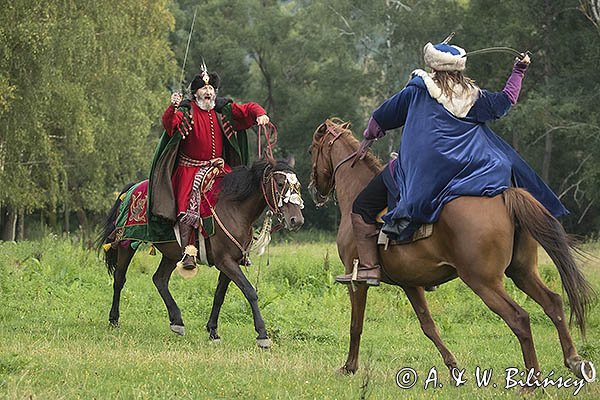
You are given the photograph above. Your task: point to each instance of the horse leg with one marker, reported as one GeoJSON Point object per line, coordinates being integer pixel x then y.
{"type": "Point", "coordinates": [161, 280]}
{"type": "Point", "coordinates": [525, 275]}
{"type": "Point", "coordinates": [233, 272]}
{"type": "Point", "coordinates": [124, 256]}
{"type": "Point", "coordinates": [211, 325]}
{"type": "Point", "coordinates": [358, 301]}
{"type": "Point", "coordinates": [493, 294]}
{"type": "Point", "coordinates": [416, 296]}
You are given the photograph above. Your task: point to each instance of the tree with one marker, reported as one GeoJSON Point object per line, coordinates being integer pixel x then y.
{"type": "Point", "coordinates": [79, 79]}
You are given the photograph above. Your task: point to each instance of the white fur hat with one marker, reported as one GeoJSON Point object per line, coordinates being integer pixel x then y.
{"type": "Point", "coordinates": [444, 57]}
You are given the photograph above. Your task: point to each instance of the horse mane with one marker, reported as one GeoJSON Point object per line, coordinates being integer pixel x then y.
{"type": "Point", "coordinates": [242, 182]}
{"type": "Point", "coordinates": [339, 126]}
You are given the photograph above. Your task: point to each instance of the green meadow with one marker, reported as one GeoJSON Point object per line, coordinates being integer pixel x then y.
{"type": "Point", "coordinates": [56, 343]}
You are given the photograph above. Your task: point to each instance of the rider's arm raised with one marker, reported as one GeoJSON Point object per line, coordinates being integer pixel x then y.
{"type": "Point", "coordinates": [494, 105]}
{"type": "Point", "coordinates": [171, 119]}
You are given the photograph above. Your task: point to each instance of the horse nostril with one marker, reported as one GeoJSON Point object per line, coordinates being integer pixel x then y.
{"type": "Point", "coordinates": [293, 221]}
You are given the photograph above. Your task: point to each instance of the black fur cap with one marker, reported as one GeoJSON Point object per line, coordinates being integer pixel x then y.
{"type": "Point", "coordinates": [198, 82]}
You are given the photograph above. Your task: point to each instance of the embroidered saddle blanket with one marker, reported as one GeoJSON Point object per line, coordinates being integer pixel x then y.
{"type": "Point", "coordinates": [132, 221]}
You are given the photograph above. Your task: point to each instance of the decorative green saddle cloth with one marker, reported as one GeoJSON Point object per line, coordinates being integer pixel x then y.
{"type": "Point", "coordinates": [132, 222]}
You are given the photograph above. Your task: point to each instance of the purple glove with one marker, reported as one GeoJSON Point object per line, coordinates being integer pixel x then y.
{"type": "Point", "coordinates": [514, 81]}
{"type": "Point", "coordinates": [373, 130]}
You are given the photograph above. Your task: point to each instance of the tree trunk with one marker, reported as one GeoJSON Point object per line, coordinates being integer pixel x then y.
{"type": "Point", "coordinates": [21, 226]}
{"type": "Point", "coordinates": [270, 100]}
{"type": "Point", "coordinates": [547, 162]}
{"type": "Point", "coordinates": [391, 145]}
{"type": "Point", "coordinates": [547, 157]}
{"type": "Point", "coordinates": [10, 225]}
{"type": "Point", "coordinates": [53, 222]}
{"type": "Point", "coordinates": [67, 221]}
{"type": "Point", "coordinates": [83, 229]}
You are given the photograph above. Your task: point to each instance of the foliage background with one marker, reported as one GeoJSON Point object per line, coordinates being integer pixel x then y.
{"type": "Point", "coordinates": [83, 86]}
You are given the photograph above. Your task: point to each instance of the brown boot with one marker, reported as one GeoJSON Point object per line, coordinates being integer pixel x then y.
{"type": "Point", "coordinates": [368, 270]}
{"type": "Point", "coordinates": [190, 252]}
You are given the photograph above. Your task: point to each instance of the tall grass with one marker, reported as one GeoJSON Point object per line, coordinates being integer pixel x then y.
{"type": "Point", "coordinates": [55, 341]}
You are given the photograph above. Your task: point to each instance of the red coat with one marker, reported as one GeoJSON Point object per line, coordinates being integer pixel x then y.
{"type": "Point", "coordinates": [201, 144]}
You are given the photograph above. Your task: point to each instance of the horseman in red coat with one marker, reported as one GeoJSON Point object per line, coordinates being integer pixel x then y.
{"type": "Point", "coordinates": [202, 135]}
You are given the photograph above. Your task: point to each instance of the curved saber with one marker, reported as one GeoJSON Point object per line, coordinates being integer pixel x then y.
{"type": "Point", "coordinates": [187, 48]}
{"type": "Point", "coordinates": [508, 50]}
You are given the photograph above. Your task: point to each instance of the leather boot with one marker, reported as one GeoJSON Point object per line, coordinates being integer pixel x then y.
{"type": "Point", "coordinates": [190, 252]}
{"type": "Point", "coordinates": [365, 236]}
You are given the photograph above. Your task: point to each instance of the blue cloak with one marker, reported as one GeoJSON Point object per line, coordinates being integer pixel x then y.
{"type": "Point", "coordinates": [443, 157]}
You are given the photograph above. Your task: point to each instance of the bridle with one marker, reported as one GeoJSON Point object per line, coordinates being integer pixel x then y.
{"type": "Point", "coordinates": [319, 198]}
{"type": "Point", "coordinates": [289, 193]}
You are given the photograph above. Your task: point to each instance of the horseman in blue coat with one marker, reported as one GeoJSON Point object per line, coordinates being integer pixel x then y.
{"type": "Point", "coordinates": [447, 151]}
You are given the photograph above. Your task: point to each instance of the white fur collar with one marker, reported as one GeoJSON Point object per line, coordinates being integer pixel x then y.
{"type": "Point", "coordinates": [459, 104]}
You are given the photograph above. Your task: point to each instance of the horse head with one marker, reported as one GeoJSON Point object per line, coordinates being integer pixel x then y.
{"type": "Point", "coordinates": [281, 189]}
{"type": "Point", "coordinates": [322, 183]}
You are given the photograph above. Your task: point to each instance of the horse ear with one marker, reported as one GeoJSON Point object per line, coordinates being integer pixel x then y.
{"type": "Point", "coordinates": [346, 125]}
{"type": "Point", "coordinates": [270, 160]}
{"type": "Point", "coordinates": [291, 161]}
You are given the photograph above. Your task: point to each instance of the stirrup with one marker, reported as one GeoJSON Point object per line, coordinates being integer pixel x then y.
{"type": "Point", "coordinates": [354, 278]}
{"type": "Point", "coordinates": [186, 267]}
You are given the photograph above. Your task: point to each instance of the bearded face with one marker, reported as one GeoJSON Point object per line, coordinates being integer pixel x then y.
{"type": "Point", "coordinates": [205, 97]}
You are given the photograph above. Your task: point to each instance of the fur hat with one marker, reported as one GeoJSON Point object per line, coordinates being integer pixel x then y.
{"type": "Point", "coordinates": [198, 81]}
{"type": "Point", "coordinates": [444, 57]}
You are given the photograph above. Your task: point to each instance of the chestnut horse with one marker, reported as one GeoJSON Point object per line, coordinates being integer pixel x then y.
{"type": "Point", "coordinates": [478, 239]}
{"type": "Point", "coordinates": [245, 194]}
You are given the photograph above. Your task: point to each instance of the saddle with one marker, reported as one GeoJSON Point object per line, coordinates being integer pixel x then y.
{"type": "Point", "coordinates": [424, 231]}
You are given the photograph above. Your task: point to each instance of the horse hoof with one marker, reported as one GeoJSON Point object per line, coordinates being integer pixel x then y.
{"type": "Point", "coordinates": [344, 371]}
{"type": "Point", "coordinates": [586, 370]}
{"type": "Point", "coordinates": [178, 329]}
{"type": "Point", "coordinates": [214, 337]}
{"type": "Point", "coordinates": [113, 323]}
{"type": "Point", "coordinates": [264, 343]}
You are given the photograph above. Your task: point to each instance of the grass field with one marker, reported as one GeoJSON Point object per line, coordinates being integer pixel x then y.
{"type": "Point", "coordinates": [55, 341]}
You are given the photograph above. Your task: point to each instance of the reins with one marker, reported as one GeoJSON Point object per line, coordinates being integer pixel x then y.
{"type": "Point", "coordinates": [245, 252]}
{"type": "Point", "coordinates": [355, 156]}
{"type": "Point", "coordinates": [269, 177]}
{"type": "Point", "coordinates": [269, 131]}
{"type": "Point", "coordinates": [336, 136]}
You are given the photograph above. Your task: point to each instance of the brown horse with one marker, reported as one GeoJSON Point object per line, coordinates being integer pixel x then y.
{"type": "Point", "coordinates": [246, 192]}
{"type": "Point", "coordinates": [478, 239]}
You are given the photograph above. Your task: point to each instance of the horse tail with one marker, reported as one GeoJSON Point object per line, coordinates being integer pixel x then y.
{"type": "Point", "coordinates": [110, 253]}
{"type": "Point", "coordinates": [532, 216]}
